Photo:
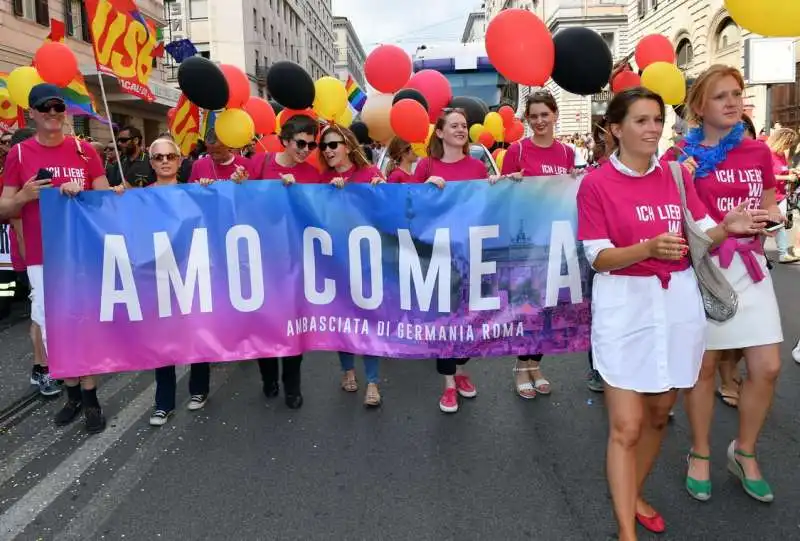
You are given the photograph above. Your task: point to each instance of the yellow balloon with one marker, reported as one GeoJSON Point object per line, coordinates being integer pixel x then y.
{"type": "Point", "coordinates": [421, 149]}
{"type": "Point", "coordinates": [345, 118]}
{"type": "Point", "coordinates": [666, 80]}
{"type": "Point", "coordinates": [475, 132]}
{"type": "Point", "coordinates": [494, 123]}
{"type": "Point", "coordinates": [20, 81]}
{"type": "Point", "coordinates": [500, 157]}
{"type": "Point", "coordinates": [330, 98]}
{"type": "Point", "coordinates": [375, 115]}
{"type": "Point", "coordinates": [235, 128]}
{"type": "Point", "coordinates": [771, 18]}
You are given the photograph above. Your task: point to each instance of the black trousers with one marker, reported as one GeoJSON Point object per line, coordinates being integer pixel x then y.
{"type": "Point", "coordinates": [535, 357]}
{"type": "Point", "coordinates": [166, 384]}
{"type": "Point", "coordinates": [447, 367]}
{"type": "Point", "coordinates": [290, 376]}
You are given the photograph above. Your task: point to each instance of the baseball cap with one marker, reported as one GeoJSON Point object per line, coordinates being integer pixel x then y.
{"type": "Point", "coordinates": [42, 93]}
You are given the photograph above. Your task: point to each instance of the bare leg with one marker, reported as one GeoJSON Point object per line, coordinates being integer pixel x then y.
{"type": "Point", "coordinates": [39, 357]}
{"type": "Point", "coordinates": [729, 375]}
{"type": "Point", "coordinates": [699, 403]}
{"type": "Point", "coordinates": [656, 417]}
{"type": "Point", "coordinates": [626, 414]}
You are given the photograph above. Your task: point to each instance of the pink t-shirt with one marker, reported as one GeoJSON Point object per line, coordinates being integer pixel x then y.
{"type": "Point", "coordinates": [206, 168]}
{"type": "Point", "coordinates": [398, 176]}
{"type": "Point", "coordinates": [467, 168]}
{"type": "Point", "coordinates": [72, 160]}
{"type": "Point", "coordinates": [266, 167]}
{"type": "Point", "coordinates": [536, 161]}
{"type": "Point", "coordinates": [743, 176]}
{"type": "Point", "coordinates": [780, 167]}
{"type": "Point", "coordinates": [363, 175]}
{"type": "Point", "coordinates": [627, 210]}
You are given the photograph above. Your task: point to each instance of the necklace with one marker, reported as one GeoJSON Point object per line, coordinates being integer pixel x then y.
{"type": "Point", "coordinates": [707, 157]}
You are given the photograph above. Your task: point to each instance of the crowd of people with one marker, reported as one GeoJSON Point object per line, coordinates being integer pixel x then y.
{"type": "Point", "coordinates": [650, 334]}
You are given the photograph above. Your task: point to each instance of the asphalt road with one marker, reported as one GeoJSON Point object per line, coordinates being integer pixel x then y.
{"type": "Point", "coordinates": [248, 469]}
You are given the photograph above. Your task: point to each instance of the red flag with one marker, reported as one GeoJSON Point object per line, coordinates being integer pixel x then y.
{"type": "Point", "coordinates": [58, 31]}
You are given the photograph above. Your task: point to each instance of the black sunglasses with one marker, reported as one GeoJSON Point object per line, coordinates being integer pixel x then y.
{"type": "Point", "coordinates": [123, 139]}
{"type": "Point", "coordinates": [333, 145]}
{"type": "Point", "coordinates": [161, 157]}
{"type": "Point", "coordinates": [302, 144]}
{"type": "Point", "coordinates": [57, 106]}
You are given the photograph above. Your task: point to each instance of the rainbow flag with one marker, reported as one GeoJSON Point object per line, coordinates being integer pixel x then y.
{"type": "Point", "coordinates": [355, 95]}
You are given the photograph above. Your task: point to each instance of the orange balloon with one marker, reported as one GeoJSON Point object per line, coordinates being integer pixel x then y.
{"type": "Point", "coordinates": [486, 139]}
{"type": "Point", "coordinates": [269, 143]}
{"type": "Point", "coordinates": [238, 86]}
{"type": "Point", "coordinates": [56, 64]}
{"type": "Point", "coordinates": [262, 114]}
{"type": "Point", "coordinates": [508, 115]}
{"type": "Point", "coordinates": [515, 131]}
{"type": "Point", "coordinates": [654, 48]}
{"type": "Point", "coordinates": [409, 120]}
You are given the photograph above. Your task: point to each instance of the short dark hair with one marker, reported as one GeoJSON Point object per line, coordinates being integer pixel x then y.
{"type": "Point", "coordinates": [134, 131]}
{"type": "Point", "coordinates": [622, 102]}
{"type": "Point", "coordinates": [543, 97]}
{"type": "Point", "coordinates": [299, 124]}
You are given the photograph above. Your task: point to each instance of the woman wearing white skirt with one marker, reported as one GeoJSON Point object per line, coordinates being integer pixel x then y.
{"type": "Point", "coordinates": [648, 324]}
{"type": "Point", "coordinates": [731, 169]}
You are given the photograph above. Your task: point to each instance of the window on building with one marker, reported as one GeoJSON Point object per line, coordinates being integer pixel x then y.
{"type": "Point", "coordinates": [644, 6]}
{"type": "Point", "coordinates": [198, 9]}
{"type": "Point", "coordinates": [728, 34]}
{"type": "Point", "coordinates": [204, 50]}
{"type": "Point", "coordinates": [280, 42]}
{"type": "Point", "coordinates": [272, 33]}
{"type": "Point", "coordinates": [279, 7]}
{"type": "Point", "coordinates": [685, 54]}
{"type": "Point", "coordinates": [255, 20]}
{"type": "Point", "coordinates": [35, 10]}
{"type": "Point", "coordinates": [264, 26]}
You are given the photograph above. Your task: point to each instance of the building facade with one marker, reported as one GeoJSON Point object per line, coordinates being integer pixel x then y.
{"type": "Point", "coordinates": [350, 55]}
{"type": "Point", "coordinates": [475, 29]}
{"type": "Point", "coordinates": [254, 34]}
{"type": "Point", "coordinates": [24, 25]}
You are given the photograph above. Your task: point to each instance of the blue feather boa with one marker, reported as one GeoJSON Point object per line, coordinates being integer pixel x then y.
{"type": "Point", "coordinates": [708, 158]}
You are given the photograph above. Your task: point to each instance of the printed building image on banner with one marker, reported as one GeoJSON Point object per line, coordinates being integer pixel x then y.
{"type": "Point", "coordinates": [191, 274]}
{"type": "Point", "coordinates": [124, 44]}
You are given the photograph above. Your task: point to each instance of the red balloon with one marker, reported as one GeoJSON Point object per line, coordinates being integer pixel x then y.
{"type": "Point", "coordinates": [388, 68]}
{"type": "Point", "coordinates": [654, 48]}
{"type": "Point", "coordinates": [486, 139]}
{"type": "Point", "coordinates": [262, 114]}
{"type": "Point", "coordinates": [286, 114]}
{"type": "Point", "coordinates": [269, 143]}
{"type": "Point", "coordinates": [514, 132]}
{"type": "Point", "coordinates": [409, 121]}
{"type": "Point", "coordinates": [508, 115]}
{"type": "Point", "coordinates": [238, 86]}
{"type": "Point", "coordinates": [520, 47]}
{"type": "Point", "coordinates": [625, 80]}
{"type": "Point", "coordinates": [436, 89]}
{"type": "Point", "coordinates": [56, 64]}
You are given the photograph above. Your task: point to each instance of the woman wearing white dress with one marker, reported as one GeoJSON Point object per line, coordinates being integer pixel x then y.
{"type": "Point", "coordinates": [648, 324]}
{"type": "Point", "coordinates": [732, 169]}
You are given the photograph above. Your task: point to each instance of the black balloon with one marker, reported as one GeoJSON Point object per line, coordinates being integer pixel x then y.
{"type": "Point", "coordinates": [203, 83]}
{"type": "Point", "coordinates": [583, 61]}
{"type": "Point", "coordinates": [290, 85]}
{"type": "Point", "coordinates": [475, 108]}
{"type": "Point", "coordinates": [361, 132]}
{"type": "Point", "coordinates": [410, 94]}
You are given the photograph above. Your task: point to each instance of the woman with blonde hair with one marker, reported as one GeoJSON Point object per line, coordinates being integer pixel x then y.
{"type": "Point", "coordinates": [343, 161]}
{"type": "Point", "coordinates": [401, 162]}
{"type": "Point", "coordinates": [782, 142]}
{"type": "Point", "coordinates": [732, 169]}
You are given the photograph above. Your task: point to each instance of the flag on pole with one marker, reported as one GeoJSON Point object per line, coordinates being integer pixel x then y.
{"type": "Point", "coordinates": [10, 115]}
{"type": "Point", "coordinates": [355, 95]}
{"type": "Point", "coordinates": [184, 125]}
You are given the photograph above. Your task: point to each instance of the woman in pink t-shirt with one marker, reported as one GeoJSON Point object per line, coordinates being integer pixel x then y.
{"type": "Point", "coordinates": [781, 142]}
{"type": "Point", "coordinates": [449, 161]}
{"type": "Point", "coordinates": [732, 169]}
{"type": "Point", "coordinates": [401, 162]}
{"type": "Point", "coordinates": [220, 163]}
{"type": "Point", "coordinates": [343, 162]}
{"type": "Point", "coordinates": [536, 156]}
{"type": "Point", "coordinates": [648, 322]}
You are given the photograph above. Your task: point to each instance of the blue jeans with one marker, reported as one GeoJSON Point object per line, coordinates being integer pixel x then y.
{"type": "Point", "coordinates": [348, 362]}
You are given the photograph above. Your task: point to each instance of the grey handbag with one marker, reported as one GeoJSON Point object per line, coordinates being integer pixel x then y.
{"type": "Point", "coordinates": [719, 298]}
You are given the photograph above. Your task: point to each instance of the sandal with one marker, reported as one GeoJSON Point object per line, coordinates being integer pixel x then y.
{"type": "Point", "coordinates": [729, 398]}
{"type": "Point", "coordinates": [758, 489]}
{"type": "Point", "coordinates": [373, 397]}
{"type": "Point", "coordinates": [541, 385]}
{"type": "Point", "coordinates": [349, 382]}
{"type": "Point", "coordinates": [697, 489]}
{"type": "Point", "coordinates": [525, 390]}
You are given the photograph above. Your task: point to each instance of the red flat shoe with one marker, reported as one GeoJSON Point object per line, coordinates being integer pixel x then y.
{"type": "Point", "coordinates": [653, 524]}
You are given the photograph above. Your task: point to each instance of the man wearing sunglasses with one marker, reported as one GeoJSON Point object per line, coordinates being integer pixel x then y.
{"type": "Point", "coordinates": [133, 160]}
{"type": "Point", "coordinates": [51, 159]}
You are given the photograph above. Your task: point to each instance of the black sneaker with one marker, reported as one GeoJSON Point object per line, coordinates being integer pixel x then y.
{"type": "Point", "coordinates": [48, 386]}
{"type": "Point", "coordinates": [271, 390]}
{"type": "Point", "coordinates": [36, 375]}
{"type": "Point", "coordinates": [94, 420]}
{"type": "Point", "coordinates": [294, 401]}
{"type": "Point", "coordinates": [159, 417]}
{"type": "Point", "coordinates": [68, 413]}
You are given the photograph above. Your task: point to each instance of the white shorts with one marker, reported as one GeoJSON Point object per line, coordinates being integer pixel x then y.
{"type": "Point", "coordinates": [36, 279]}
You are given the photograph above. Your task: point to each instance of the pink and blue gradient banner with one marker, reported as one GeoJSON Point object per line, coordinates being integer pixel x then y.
{"type": "Point", "coordinates": [187, 274]}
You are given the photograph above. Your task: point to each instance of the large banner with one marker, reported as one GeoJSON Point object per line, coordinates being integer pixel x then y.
{"type": "Point", "coordinates": [185, 274]}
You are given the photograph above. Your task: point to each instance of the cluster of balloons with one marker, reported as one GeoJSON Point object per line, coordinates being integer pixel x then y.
{"type": "Point", "coordinates": [771, 18]}
{"type": "Point", "coordinates": [655, 58]}
{"type": "Point", "coordinates": [577, 59]}
{"type": "Point", "coordinates": [53, 63]}
{"type": "Point", "coordinates": [499, 126]}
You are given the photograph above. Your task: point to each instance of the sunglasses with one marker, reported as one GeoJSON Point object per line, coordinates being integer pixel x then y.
{"type": "Point", "coordinates": [333, 145]}
{"type": "Point", "coordinates": [161, 157]}
{"type": "Point", "coordinates": [303, 144]}
{"type": "Point", "coordinates": [123, 139]}
{"type": "Point", "coordinates": [57, 106]}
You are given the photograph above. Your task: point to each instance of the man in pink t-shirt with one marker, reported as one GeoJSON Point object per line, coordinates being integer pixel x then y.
{"type": "Point", "coordinates": [51, 159]}
{"type": "Point", "coordinates": [299, 139]}
{"type": "Point", "coordinates": [220, 163]}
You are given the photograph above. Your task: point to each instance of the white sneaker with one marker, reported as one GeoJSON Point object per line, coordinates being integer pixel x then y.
{"type": "Point", "coordinates": [796, 353]}
{"type": "Point", "coordinates": [197, 402]}
{"type": "Point", "coordinates": [159, 418]}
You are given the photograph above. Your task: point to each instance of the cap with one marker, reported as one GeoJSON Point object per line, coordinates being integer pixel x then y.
{"type": "Point", "coordinates": [42, 93]}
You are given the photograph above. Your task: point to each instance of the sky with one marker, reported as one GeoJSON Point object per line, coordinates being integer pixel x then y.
{"type": "Point", "coordinates": [407, 23]}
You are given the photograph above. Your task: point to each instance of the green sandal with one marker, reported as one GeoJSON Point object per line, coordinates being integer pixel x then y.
{"type": "Point", "coordinates": [699, 490]}
{"type": "Point", "coordinates": [758, 489]}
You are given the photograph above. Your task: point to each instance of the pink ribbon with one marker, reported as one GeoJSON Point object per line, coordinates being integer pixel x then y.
{"type": "Point", "coordinates": [746, 251]}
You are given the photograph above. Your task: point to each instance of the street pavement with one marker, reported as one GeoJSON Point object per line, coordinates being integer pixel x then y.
{"type": "Point", "coordinates": [245, 468]}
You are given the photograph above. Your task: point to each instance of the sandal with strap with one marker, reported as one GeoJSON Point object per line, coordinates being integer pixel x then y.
{"type": "Point", "coordinates": [541, 385]}
{"type": "Point", "coordinates": [729, 398]}
{"type": "Point", "coordinates": [349, 382]}
{"type": "Point", "coordinates": [525, 390]}
{"type": "Point", "coordinates": [758, 489]}
{"type": "Point", "coordinates": [699, 490]}
{"type": "Point", "coordinates": [373, 397]}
